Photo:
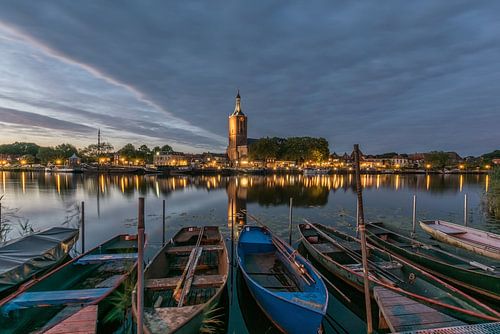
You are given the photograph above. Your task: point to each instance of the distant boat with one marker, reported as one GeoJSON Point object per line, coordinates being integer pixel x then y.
{"type": "Point", "coordinates": [340, 254]}
{"type": "Point", "coordinates": [316, 171]}
{"type": "Point", "coordinates": [85, 288]}
{"type": "Point", "coordinates": [474, 240]}
{"type": "Point", "coordinates": [482, 278]}
{"type": "Point", "coordinates": [285, 285]}
{"type": "Point", "coordinates": [184, 281]}
{"type": "Point", "coordinates": [25, 257]}
{"type": "Point", "coordinates": [60, 170]}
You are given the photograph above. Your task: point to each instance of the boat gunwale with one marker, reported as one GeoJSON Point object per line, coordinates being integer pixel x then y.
{"type": "Point", "coordinates": [422, 245]}
{"type": "Point", "coordinates": [325, 304]}
{"type": "Point", "coordinates": [404, 292]}
{"type": "Point", "coordinates": [35, 280]}
{"type": "Point", "coordinates": [201, 307]}
{"type": "Point", "coordinates": [96, 301]}
{"type": "Point", "coordinates": [424, 267]}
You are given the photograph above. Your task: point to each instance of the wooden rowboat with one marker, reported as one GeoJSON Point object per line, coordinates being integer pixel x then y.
{"type": "Point", "coordinates": [482, 278]}
{"type": "Point", "coordinates": [284, 284]}
{"type": "Point", "coordinates": [474, 240]}
{"type": "Point", "coordinates": [23, 258]}
{"type": "Point", "coordinates": [184, 282]}
{"type": "Point", "coordinates": [79, 294]}
{"type": "Point", "coordinates": [339, 253]}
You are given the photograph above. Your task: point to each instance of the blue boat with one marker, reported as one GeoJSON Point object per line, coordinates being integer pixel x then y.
{"type": "Point", "coordinates": [285, 285]}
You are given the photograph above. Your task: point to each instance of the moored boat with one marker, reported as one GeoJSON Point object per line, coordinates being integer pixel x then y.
{"type": "Point", "coordinates": [482, 278]}
{"type": "Point", "coordinates": [340, 254]}
{"type": "Point", "coordinates": [284, 284]}
{"type": "Point", "coordinates": [474, 240]}
{"type": "Point", "coordinates": [25, 257]}
{"type": "Point", "coordinates": [95, 279]}
{"type": "Point", "coordinates": [184, 282]}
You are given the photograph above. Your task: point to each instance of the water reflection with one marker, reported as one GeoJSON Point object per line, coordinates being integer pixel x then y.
{"type": "Point", "coordinates": [265, 190]}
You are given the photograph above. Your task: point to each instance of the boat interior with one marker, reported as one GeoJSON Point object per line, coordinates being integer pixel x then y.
{"type": "Point", "coordinates": [188, 271]}
{"type": "Point", "coordinates": [61, 294]}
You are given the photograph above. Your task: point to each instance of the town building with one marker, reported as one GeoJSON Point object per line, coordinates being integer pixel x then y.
{"type": "Point", "coordinates": [237, 149]}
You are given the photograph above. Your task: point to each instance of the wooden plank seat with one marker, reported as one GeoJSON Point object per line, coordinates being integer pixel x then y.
{"type": "Point", "coordinates": [171, 282]}
{"type": "Point", "coordinates": [400, 313]}
{"type": "Point", "coordinates": [98, 258]}
{"type": "Point", "coordinates": [54, 298]}
{"type": "Point", "coordinates": [187, 249]}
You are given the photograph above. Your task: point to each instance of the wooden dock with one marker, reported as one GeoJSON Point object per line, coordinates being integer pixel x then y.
{"type": "Point", "coordinates": [82, 322]}
{"type": "Point", "coordinates": [488, 328]}
{"type": "Point", "coordinates": [400, 313]}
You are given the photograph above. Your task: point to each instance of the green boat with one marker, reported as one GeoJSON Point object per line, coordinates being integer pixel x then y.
{"type": "Point", "coordinates": [184, 282]}
{"type": "Point", "coordinates": [29, 256]}
{"type": "Point", "coordinates": [481, 278]}
{"type": "Point", "coordinates": [340, 254]}
{"type": "Point", "coordinates": [84, 289]}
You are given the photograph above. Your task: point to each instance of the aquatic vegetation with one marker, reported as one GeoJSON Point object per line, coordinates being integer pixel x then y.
{"type": "Point", "coordinates": [493, 195]}
{"type": "Point", "coordinates": [212, 321]}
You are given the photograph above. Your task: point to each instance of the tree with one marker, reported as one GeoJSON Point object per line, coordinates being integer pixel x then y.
{"type": "Point", "coordinates": [19, 148]}
{"type": "Point", "coordinates": [128, 151]}
{"type": "Point", "coordinates": [264, 148]}
{"type": "Point", "coordinates": [47, 154]}
{"type": "Point", "coordinates": [91, 152]}
{"type": "Point", "coordinates": [166, 149]}
{"type": "Point", "coordinates": [65, 150]}
{"type": "Point", "coordinates": [438, 159]}
{"type": "Point", "coordinates": [145, 153]}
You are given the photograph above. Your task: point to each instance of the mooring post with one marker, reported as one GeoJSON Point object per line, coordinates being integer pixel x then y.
{"type": "Point", "coordinates": [140, 266]}
{"type": "Point", "coordinates": [413, 231]}
{"type": "Point", "coordinates": [290, 222]}
{"type": "Point", "coordinates": [82, 226]}
{"type": "Point", "coordinates": [465, 209]}
{"type": "Point", "coordinates": [163, 229]}
{"type": "Point", "coordinates": [361, 219]}
{"type": "Point", "coordinates": [357, 218]}
{"type": "Point", "coordinates": [232, 252]}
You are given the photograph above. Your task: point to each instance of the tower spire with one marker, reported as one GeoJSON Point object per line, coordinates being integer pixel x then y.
{"type": "Point", "coordinates": [237, 107]}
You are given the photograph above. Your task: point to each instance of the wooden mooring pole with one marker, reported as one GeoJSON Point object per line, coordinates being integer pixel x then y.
{"type": "Point", "coordinates": [465, 209]}
{"type": "Point", "coordinates": [140, 266]}
{"type": "Point", "coordinates": [82, 227]}
{"type": "Point", "coordinates": [361, 225]}
{"type": "Point", "coordinates": [290, 222]}
{"type": "Point", "coordinates": [163, 227]}
{"type": "Point", "coordinates": [414, 216]}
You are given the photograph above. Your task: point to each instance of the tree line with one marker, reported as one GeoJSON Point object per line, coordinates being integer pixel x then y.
{"type": "Point", "coordinates": [297, 149]}
{"type": "Point", "coordinates": [33, 153]}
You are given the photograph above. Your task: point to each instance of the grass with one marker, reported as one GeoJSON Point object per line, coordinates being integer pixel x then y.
{"type": "Point", "coordinates": [212, 321]}
{"type": "Point", "coordinates": [493, 194]}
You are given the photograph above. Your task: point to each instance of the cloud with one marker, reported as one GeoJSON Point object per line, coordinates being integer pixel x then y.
{"type": "Point", "coordinates": [392, 76]}
{"type": "Point", "coordinates": [28, 119]}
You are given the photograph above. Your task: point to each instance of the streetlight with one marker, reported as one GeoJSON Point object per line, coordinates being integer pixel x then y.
{"type": "Point", "coordinates": [428, 166]}
{"type": "Point", "coordinates": [487, 166]}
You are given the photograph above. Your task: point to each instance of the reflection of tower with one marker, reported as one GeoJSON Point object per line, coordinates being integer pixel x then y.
{"type": "Point", "coordinates": [237, 200]}
{"type": "Point", "coordinates": [237, 148]}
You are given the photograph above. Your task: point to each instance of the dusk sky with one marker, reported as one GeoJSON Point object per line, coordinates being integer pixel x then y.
{"type": "Point", "coordinates": [404, 76]}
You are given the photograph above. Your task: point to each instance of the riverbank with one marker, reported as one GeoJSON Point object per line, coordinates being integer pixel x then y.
{"type": "Point", "coordinates": [493, 194]}
{"type": "Point", "coordinates": [167, 170]}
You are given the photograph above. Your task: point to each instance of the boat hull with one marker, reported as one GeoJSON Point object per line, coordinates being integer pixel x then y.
{"type": "Point", "coordinates": [480, 249]}
{"type": "Point", "coordinates": [423, 287]}
{"type": "Point", "coordinates": [291, 312]}
{"type": "Point", "coordinates": [478, 281]}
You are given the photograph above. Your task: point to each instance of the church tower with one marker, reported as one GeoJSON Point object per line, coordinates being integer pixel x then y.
{"type": "Point", "coordinates": [237, 148]}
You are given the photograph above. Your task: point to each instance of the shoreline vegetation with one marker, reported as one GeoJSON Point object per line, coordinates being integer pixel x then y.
{"type": "Point", "coordinates": [493, 194]}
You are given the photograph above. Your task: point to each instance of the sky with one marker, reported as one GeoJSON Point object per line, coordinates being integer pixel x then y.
{"type": "Point", "coordinates": [404, 76]}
